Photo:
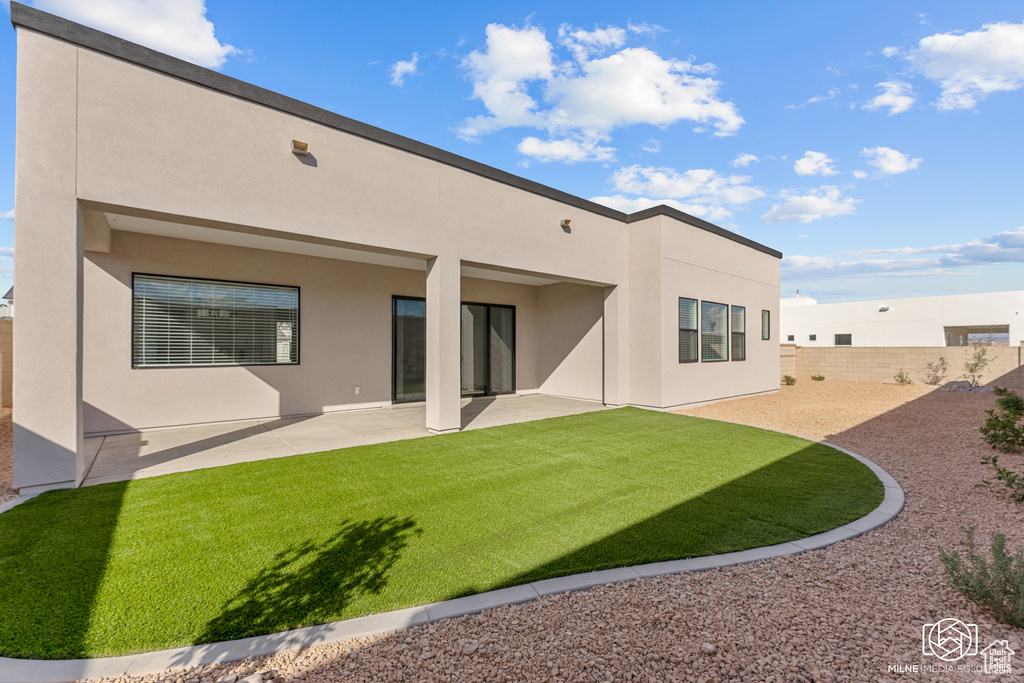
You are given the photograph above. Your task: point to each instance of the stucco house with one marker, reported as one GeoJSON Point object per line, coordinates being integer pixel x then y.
{"type": "Point", "coordinates": [951, 320]}
{"type": "Point", "coordinates": [195, 249]}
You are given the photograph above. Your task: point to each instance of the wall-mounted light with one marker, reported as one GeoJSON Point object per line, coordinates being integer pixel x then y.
{"type": "Point", "coordinates": [300, 148]}
{"type": "Point", "coordinates": [566, 223]}
{"type": "Point", "coordinates": [883, 309]}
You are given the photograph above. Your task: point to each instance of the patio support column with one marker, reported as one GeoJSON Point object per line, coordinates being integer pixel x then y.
{"type": "Point", "coordinates": [49, 229]}
{"type": "Point", "coordinates": [444, 319]}
{"type": "Point", "coordinates": [614, 347]}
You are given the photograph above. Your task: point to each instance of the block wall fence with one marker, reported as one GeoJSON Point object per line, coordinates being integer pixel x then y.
{"type": "Point", "coordinates": [880, 364]}
{"type": "Point", "coordinates": [6, 362]}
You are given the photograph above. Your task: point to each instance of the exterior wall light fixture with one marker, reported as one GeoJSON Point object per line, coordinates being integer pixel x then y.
{"type": "Point", "coordinates": [300, 148]}
{"type": "Point", "coordinates": [565, 224]}
{"type": "Point", "coordinates": [883, 309]}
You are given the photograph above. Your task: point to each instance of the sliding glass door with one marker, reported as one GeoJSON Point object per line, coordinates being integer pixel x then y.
{"type": "Point", "coordinates": [409, 350]}
{"type": "Point", "coordinates": [501, 330]}
{"type": "Point", "coordinates": [488, 348]}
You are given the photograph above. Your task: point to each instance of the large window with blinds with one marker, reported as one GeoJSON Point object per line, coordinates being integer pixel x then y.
{"type": "Point", "coordinates": [687, 330]}
{"type": "Point", "coordinates": [714, 332]}
{"type": "Point", "coordinates": [739, 333]}
{"type": "Point", "coordinates": [191, 322]}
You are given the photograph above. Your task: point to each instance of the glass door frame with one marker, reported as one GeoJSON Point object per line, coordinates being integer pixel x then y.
{"type": "Point", "coordinates": [489, 385]}
{"type": "Point", "coordinates": [394, 346]}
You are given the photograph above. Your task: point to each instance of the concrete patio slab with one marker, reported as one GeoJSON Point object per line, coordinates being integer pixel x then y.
{"type": "Point", "coordinates": [120, 457]}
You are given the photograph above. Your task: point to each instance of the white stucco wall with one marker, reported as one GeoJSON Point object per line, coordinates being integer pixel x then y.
{"type": "Point", "coordinates": [907, 322]}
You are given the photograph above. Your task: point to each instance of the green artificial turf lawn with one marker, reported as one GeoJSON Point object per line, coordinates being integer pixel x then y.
{"type": "Point", "coordinates": [266, 546]}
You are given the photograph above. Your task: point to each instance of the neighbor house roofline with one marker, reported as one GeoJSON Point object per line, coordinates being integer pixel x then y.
{"type": "Point", "coordinates": [38, 21]}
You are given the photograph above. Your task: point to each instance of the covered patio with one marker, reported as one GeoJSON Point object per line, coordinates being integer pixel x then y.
{"type": "Point", "coordinates": [150, 453]}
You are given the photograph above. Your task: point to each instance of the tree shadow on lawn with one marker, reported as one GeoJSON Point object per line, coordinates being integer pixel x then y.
{"type": "Point", "coordinates": [312, 582]}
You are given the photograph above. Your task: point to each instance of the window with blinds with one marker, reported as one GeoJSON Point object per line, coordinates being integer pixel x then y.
{"type": "Point", "coordinates": [687, 330]}
{"type": "Point", "coordinates": [766, 325]}
{"type": "Point", "coordinates": [714, 332]}
{"type": "Point", "coordinates": [190, 322]}
{"type": "Point", "coordinates": [739, 333]}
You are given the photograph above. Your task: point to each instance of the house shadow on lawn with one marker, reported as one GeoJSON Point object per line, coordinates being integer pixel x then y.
{"type": "Point", "coordinates": [58, 559]}
{"type": "Point", "coordinates": [814, 490]}
{"type": "Point", "coordinates": [312, 582]}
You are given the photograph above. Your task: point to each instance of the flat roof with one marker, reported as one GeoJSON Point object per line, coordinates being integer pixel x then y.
{"type": "Point", "coordinates": [36, 20]}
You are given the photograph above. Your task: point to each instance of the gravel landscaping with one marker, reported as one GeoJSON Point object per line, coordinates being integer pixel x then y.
{"type": "Point", "coordinates": [845, 613]}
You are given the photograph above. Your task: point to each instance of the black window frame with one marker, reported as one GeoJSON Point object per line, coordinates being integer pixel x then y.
{"type": "Point", "coordinates": [134, 332]}
{"type": "Point", "coordinates": [848, 335]}
{"type": "Point", "coordinates": [791, 337]}
{"type": "Point", "coordinates": [695, 330]}
{"type": "Point", "coordinates": [812, 337]}
{"type": "Point", "coordinates": [766, 325]}
{"type": "Point", "coordinates": [734, 334]}
{"type": "Point", "coordinates": [726, 340]}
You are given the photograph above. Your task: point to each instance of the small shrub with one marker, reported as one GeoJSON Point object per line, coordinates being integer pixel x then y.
{"type": "Point", "coordinates": [935, 371]}
{"type": "Point", "coordinates": [902, 378]}
{"type": "Point", "coordinates": [975, 363]}
{"type": "Point", "coordinates": [1003, 430]}
{"type": "Point", "coordinates": [997, 587]}
{"type": "Point", "coordinates": [818, 378]}
{"type": "Point", "coordinates": [788, 380]}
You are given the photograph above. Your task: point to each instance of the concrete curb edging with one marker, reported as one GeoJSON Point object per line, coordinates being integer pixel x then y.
{"type": "Point", "coordinates": [67, 670]}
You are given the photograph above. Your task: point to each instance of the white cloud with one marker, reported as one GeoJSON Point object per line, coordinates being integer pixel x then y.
{"type": "Point", "coordinates": [179, 28]}
{"type": "Point", "coordinates": [633, 204]}
{"type": "Point", "coordinates": [888, 161]}
{"type": "Point", "coordinates": [970, 66]}
{"type": "Point", "coordinates": [890, 51]}
{"type": "Point", "coordinates": [642, 27]}
{"type": "Point", "coordinates": [815, 163]}
{"type": "Point", "coordinates": [832, 92]}
{"type": "Point", "coordinates": [569, 151]}
{"type": "Point", "coordinates": [399, 70]}
{"type": "Point", "coordinates": [7, 252]}
{"type": "Point", "coordinates": [7, 215]}
{"type": "Point", "coordinates": [583, 44]}
{"type": "Point", "coordinates": [652, 146]}
{"type": "Point", "coordinates": [860, 175]}
{"type": "Point", "coordinates": [501, 74]}
{"type": "Point", "coordinates": [701, 187]}
{"type": "Point", "coordinates": [1002, 247]}
{"type": "Point", "coordinates": [743, 160]}
{"type": "Point", "coordinates": [521, 83]}
{"type": "Point", "coordinates": [898, 96]}
{"type": "Point", "coordinates": [825, 202]}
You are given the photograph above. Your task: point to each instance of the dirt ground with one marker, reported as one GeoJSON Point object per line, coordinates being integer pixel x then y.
{"type": "Point", "coordinates": [849, 612]}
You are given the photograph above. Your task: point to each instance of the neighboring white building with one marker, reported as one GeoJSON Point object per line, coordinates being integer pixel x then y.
{"type": "Point", "coordinates": [953, 320]}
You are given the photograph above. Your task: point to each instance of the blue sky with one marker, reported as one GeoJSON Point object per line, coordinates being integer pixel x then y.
{"type": "Point", "coordinates": [878, 145]}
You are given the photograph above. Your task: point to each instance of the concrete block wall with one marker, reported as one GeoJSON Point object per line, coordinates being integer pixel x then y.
{"type": "Point", "coordinates": [6, 362]}
{"type": "Point", "coordinates": [787, 360]}
{"type": "Point", "coordinates": [880, 364]}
